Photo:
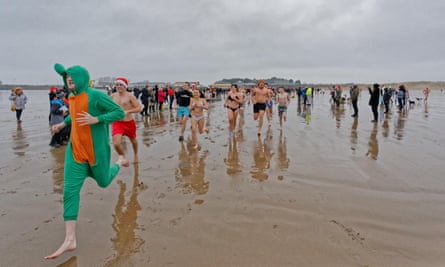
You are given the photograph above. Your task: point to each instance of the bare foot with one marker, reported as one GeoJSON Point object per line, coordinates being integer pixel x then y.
{"type": "Point", "coordinates": [136, 159]}
{"type": "Point", "coordinates": [196, 146]}
{"type": "Point", "coordinates": [68, 245]}
{"type": "Point", "coordinates": [123, 162]}
{"type": "Point", "coordinates": [206, 130]}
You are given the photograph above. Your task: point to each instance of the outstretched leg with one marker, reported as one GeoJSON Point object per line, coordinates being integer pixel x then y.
{"type": "Point", "coordinates": [194, 133]}
{"type": "Point", "coordinates": [134, 143]}
{"type": "Point", "coordinates": [69, 244]}
{"type": "Point", "coordinates": [117, 142]}
{"type": "Point", "coordinates": [74, 176]}
{"type": "Point", "coordinates": [260, 122]}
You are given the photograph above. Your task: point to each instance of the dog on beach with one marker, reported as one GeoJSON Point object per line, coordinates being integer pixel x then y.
{"type": "Point", "coordinates": [419, 99]}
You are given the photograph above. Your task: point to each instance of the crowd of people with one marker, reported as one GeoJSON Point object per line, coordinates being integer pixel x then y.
{"type": "Point", "coordinates": [80, 117]}
{"type": "Point", "coordinates": [187, 104]}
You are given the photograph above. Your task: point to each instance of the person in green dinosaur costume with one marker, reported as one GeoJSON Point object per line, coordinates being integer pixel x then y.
{"type": "Point", "coordinates": [88, 151]}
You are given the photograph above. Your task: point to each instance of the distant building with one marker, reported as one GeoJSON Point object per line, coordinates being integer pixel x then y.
{"type": "Point", "coordinates": [220, 85]}
{"type": "Point", "coordinates": [147, 83]}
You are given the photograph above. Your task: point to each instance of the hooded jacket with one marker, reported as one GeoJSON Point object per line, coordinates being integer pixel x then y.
{"type": "Point", "coordinates": [90, 142]}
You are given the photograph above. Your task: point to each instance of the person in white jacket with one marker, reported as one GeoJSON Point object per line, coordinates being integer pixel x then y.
{"type": "Point", "coordinates": [19, 99]}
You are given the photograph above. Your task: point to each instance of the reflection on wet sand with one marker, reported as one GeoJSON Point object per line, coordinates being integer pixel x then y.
{"type": "Point", "coordinates": [232, 160]}
{"type": "Point", "coordinates": [339, 115]}
{"type": "Point", "coordinates": [71, 262]}
{"type": "Point", "coordinates": [59, 159]}
{"type": "Point", "coordinates": [354, 134]}
{"type": "Point", "coordinates": [385, 126]}
{"type": "Point", "coordinates": [158, 118]}
{"type": "Point", "coordinates": [373, 143]}
{"type": "Point", "coordinates": [191, 169]}
{"type": "Point", "coordinates": [148, 133]}
{"type": "Point", "coordinates": [399, 126]}
{"type": "Point", "coordinates": [262, 155]}
{"type": "Point", "coordinates": [338, 112]}
{"type": "Point", "coordinates": [307, 114]}
{"type": "Point", "coordinates": [125, 242]}
{"type": "Point", "coordinates": [283, 160]}
{"type": "Point", "coordinates": [19, 140]}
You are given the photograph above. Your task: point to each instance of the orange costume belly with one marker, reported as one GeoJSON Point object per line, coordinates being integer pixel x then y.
{"type": "Point", "coordinates": [81, 138]}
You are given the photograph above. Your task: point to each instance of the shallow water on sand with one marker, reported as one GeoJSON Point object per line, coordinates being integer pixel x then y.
{"type": "Point", "coordinates": [327, 190]}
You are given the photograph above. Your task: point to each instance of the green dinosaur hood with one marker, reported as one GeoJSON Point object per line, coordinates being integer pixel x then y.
{"type": "Point", "coordinates": [79, 74]}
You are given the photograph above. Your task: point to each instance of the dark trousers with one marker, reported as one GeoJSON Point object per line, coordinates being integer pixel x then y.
{"type": "Point", "coordinates": [386, 102]}
{"type": "Point", "coordinates": [375, 111]}
{"type": "Point", "coordinates": [18, 114]}
{"type": "Point", "coordinates": [355, 107]}
{"type": "Point", "coordinates": [145, 109]}
{"type": "Point", "coordinates": [401, 103]}
{"type": "Point", "coordinates": [170, 101]}
{"type": "Point", "coordinates": [151, 106]}
{"type": "Point", "coordinates": [56, 139]}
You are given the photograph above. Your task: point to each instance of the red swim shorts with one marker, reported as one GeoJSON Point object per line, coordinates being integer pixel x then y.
{"type": "Point", "coordinates": [127, 128]}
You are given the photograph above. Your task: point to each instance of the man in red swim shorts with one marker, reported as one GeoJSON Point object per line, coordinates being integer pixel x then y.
{"type": "Point", "coordinates": [127, 126]}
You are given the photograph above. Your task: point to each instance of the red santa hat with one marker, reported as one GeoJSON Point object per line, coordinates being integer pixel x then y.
{"type": "Point", "coordinates": [123, 81]}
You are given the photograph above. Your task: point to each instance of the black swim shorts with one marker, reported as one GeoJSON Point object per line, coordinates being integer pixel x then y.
{"type": "Point", "coordinates": [258, 106]}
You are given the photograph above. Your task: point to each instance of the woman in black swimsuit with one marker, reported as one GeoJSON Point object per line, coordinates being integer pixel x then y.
{"type": "Point", "coordinates": [232, 103]}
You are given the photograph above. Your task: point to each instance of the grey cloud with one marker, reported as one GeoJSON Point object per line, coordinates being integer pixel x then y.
{"type": "Point", "coordinates": [368, 40]}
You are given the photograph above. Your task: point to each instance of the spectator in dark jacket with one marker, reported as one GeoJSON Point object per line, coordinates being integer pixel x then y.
{"type": "Point", "coordinates": [374, 100]}
{"type": "Point", "coordinates": [144, 99]}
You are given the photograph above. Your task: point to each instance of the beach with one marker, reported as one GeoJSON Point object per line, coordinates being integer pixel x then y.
{"type": "Point", "coordinates": [328, 190]}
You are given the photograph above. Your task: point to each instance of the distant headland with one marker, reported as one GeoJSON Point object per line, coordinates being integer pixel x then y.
{"type": "Point", "coordinates": [274, 82]}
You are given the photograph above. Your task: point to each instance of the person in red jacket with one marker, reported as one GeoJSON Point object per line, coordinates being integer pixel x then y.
{"type": "Point", "coordinates": [171, 96]}
{"type": "Point", "coordinates": [161, 98]}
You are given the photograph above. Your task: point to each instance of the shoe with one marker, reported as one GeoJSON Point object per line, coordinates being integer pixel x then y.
{"type": "Point", "coordinates": [373, 121]}
{"type": "Point", "coordinates": [354, 115]}
{"type": "Point", "coordinates": [181, 138]}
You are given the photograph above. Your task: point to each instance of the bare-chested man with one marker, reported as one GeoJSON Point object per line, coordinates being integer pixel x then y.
{"type": "Point", "coordinates": [426, 93]}
{"type": "Point", "coordinates": [127, 126]}
{"type": "Point", "coordinates": [283, 100]}
{"type": "Point", "coordinates": [259, 96]}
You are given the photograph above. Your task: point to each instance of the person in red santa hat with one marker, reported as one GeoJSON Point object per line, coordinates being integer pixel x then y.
{"type": "Point", "coordinates": [126, 126]}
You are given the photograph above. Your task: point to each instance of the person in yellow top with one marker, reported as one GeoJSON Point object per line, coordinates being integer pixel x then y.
{"type": "Point", "coordinates": [308, 96]}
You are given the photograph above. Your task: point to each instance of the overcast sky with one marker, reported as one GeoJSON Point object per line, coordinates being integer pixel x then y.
{"type": "Point", "coordinates": [207, 40]}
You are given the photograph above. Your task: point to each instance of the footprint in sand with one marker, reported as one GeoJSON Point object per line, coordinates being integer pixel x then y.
{"type": "Point", "coordinates": [354, 235]}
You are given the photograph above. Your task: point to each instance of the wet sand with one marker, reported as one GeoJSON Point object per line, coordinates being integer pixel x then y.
{"type": "Point", "coordinates": [328, 191]}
